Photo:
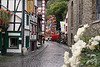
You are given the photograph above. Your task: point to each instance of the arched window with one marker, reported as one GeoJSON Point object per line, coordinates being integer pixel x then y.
{"type": "Point", "coordinates": [72, 14]}
{"type": "Point", "coordinates": [98, 9]}
{"type": "Point", "coordinates": [80, 11]}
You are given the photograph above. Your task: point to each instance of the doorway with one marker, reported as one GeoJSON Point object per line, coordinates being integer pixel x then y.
{"type": "Point", "coordinates": [3, 44]}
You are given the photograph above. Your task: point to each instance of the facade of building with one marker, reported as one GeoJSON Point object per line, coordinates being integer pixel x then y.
{"type": "Point", "coordinates": [66, 25]}
{"type": "Point", "coordinates": [82, 12]}
{"type": "Point", "coordinates": [41, 11]}
{"type": "Point", "coordinates": [64, 28]}
{"type": "Point", "coordinates": [11, 36]}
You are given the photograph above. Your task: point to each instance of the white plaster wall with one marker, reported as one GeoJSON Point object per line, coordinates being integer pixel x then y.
{"type": "Point", "coordinates": [35, 2]}
{"type": "Point", "coordinates": [11, 5]}
{"type": "Point", "coordinates": [10, 28]}
{"type": "Point", "coordinates": [4, 2]}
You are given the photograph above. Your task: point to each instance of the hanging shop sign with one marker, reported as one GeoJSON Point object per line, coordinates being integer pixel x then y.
{"type": "Point", "coordinates": [62, 26]}
{"type": "Point", "coordinates": [30, 5]}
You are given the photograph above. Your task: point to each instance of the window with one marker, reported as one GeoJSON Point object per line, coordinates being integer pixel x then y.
{"type": "Point", "coordinates": [27, 20]}
{"type": "Point", "coordinates": [80, 12]}
{"type": "Point", "coordinates": [98, 9]}
{"type": "Point", "coordinates": [72, 14]}
{"type": "Point", "coordinates": [27, 41]}
{"type": "Point", "coordinates": [35, 29]}
{"type": "Point", "coordinates": [71, 38]}
{"type": "Point", "coordinates": [35, 11]}
{"type": "Point", "coordinates": [32, 29]}
{"type": "Point", "coordinates": [66, 28]}
{"type": "Point", "coordinates": [39, 3]}
{"type": "Point", "coordinates": [13, 42]}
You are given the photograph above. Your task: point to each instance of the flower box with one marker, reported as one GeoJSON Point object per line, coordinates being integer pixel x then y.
{"type": "Point", "coordinates": [4, 16]}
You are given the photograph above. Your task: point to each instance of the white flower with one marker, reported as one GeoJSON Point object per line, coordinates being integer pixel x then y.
{"type": "Point", "coordinates": [92, 47]}
{"type": "Point", "coordinates": [76, 53]}
{"type": "Point", "coordinates": [86, 26]}
{"type": "Point", "coordinates": [94, 43]}
{"type": "Point", "coordinates": [97, 38]}
{"type": "Point", "coordinates": [66, 53]}
{"type": "Point", "coordinates": [66, 57]}
{"type": "Point", "coordinates": [64, 66]}
{"type": "Point", "coordinates": [74, 61]}
{"type": "Point", "coordinates": [80, 31]}
{"type": "Point", "coordinates": [81, 43]}
{"type": "Point", "coordinates": [76, 38]}
{"type": "Point", "coordinates": [76, 50]}
{"type": "Point", "coordinates": [92, 55]}
{"type": "Point", "coordinates": [87, 46]}
{"type": "Point", "coordinates": [77, 47]}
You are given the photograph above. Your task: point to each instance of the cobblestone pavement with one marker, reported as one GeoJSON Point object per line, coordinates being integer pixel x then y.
{"type": "Point", "coordinates": [51, 56]}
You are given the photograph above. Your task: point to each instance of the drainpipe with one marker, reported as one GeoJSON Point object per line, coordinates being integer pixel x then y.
{"type": "Point", "coordinates": [37, 27]}
{"type": "Point", "coordinates": [23, 17]}
{"type": "Point", "coordinates": [76, 17]}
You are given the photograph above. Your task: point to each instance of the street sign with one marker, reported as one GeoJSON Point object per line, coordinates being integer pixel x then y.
{"type": "Point", "coordinates": [30, 5]}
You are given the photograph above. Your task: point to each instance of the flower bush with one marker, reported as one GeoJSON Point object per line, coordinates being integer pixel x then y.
{"type": "Point", "coordinates": [4, 16]}
{"type": "Point", "coordinates": [89, 59]}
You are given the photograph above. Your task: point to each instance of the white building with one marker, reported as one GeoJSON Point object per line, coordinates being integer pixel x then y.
{"type": "Point", "coordinates": [11, 36]}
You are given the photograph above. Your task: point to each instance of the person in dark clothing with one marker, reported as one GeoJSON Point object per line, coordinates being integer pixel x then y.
{"type": "Point", "coordinates": [43, 40]}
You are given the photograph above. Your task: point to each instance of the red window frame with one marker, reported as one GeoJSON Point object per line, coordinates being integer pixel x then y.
{"type": "Point", "coordinates": [32, 29]}
{"type": "Point", "coordinates": [66, 28]}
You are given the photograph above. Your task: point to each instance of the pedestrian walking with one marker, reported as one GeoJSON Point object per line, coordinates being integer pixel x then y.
{"type": "Point", "coordinates": [43, 40]}
{"type": "Point", "coordinates": [48, 38]}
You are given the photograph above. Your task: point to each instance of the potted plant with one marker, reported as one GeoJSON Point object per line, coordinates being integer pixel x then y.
{"type": "Point", "coordinates": [4, 16]}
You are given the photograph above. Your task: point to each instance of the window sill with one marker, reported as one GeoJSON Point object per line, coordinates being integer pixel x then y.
{"type": "Point", "coordinates": [13, 48]}
{"type": "Point", "coordinates": [95, 22]}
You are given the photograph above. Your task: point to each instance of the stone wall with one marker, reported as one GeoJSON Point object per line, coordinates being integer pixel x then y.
{"type": "Point", "coordinates": [82, 14]}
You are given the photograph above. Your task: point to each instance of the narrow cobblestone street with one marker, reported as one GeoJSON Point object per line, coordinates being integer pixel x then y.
{"type": "Point", "coordinates": [51, 56]}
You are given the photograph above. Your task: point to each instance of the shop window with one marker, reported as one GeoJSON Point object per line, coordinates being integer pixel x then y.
{"type": "Point", "coordinates": [13, 42]}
